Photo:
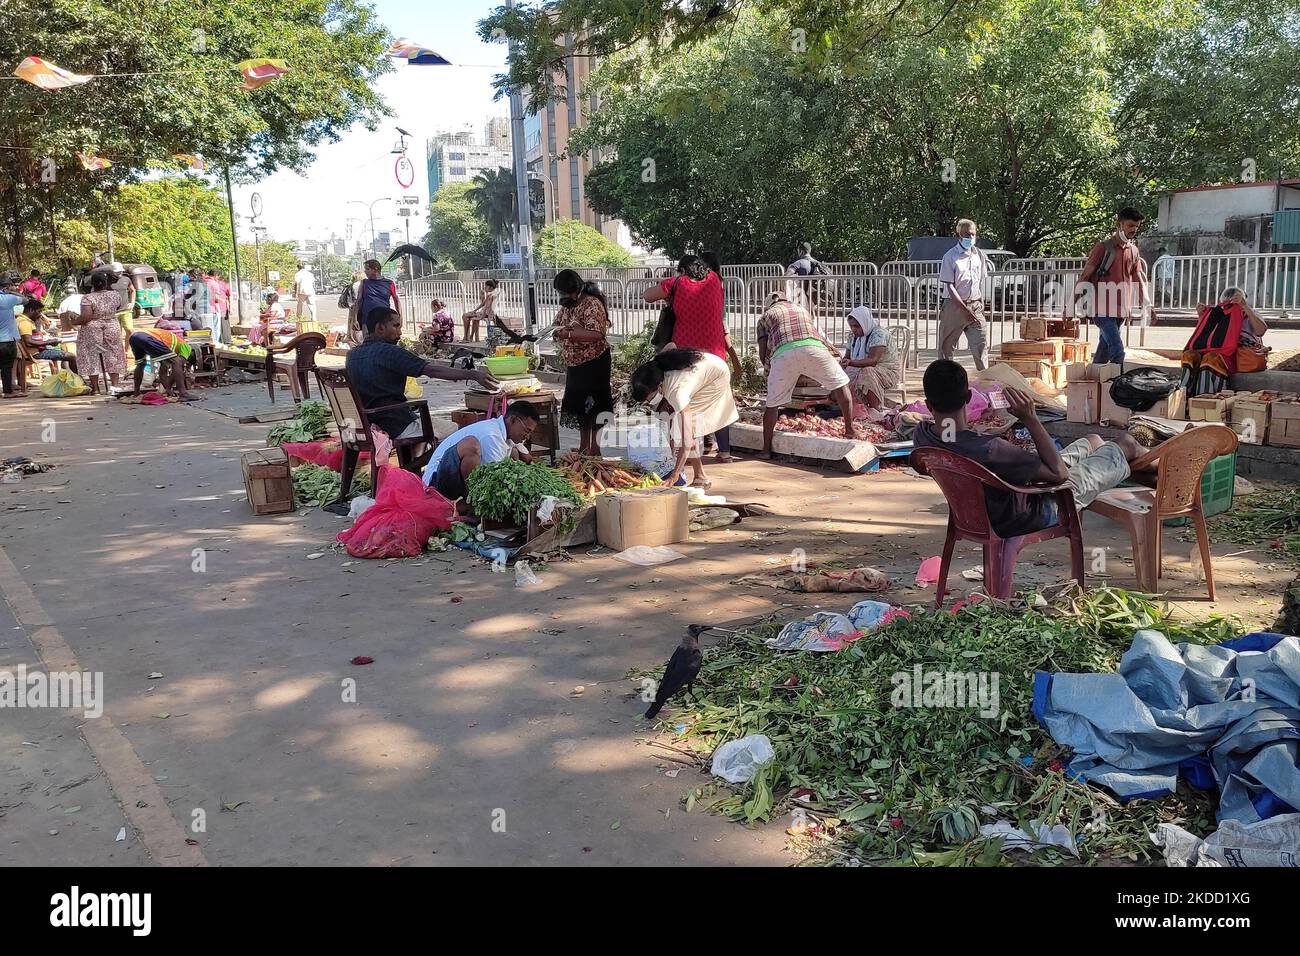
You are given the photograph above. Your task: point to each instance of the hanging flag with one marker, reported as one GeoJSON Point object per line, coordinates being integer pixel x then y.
{"type": "Point", "coordinates": [193, 162]}
{"type": "Point", "coordinates": [428, 58]}
{"type": "Point", "coordinates": [414, 53]}
{"type": "Point", "coordinates": [260, 72]}
{"type": "Point", "coordinates": [91, 162]}
{"type": "Point", "coordinates": [47, 76]}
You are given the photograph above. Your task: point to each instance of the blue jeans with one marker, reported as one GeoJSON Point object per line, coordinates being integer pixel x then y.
{"type": "Point", "coordinates": [1110, 346]}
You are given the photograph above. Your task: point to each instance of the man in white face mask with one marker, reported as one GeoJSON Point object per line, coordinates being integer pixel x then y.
{"type": "Point", "coordinates": [1112, 286]}
{"type": "Point", "coordinates": [962, 276]}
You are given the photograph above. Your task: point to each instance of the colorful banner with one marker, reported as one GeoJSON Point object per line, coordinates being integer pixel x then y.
{"type": "Point", "coordinates": [414, 53]}
{"type": "Point", "coordinates": [260, 72]}
{"type": "Point", "coordinates": [47, 76]}
{"type": "Point", "coordinates": [91, 162]}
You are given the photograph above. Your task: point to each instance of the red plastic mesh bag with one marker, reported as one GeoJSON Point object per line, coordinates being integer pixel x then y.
{"type": "Point", "coordinates": [402, 519]}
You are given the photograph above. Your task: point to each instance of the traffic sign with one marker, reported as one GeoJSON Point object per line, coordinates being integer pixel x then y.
{"type": "Point", "coordinates": [404, 211]}
{"type": "Point", "coordinates": [256, 202]}
{"type": "Point", "coordinates": [404, 171]}
{"type": "Point", "coordinates": [408, 200]}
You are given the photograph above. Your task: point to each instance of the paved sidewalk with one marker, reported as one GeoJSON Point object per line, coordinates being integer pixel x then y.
{"type": "Point", "coordinates": [467, 712]}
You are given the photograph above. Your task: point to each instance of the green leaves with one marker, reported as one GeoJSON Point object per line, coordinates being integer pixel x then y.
{"type": "Point", "coordinates": [869, 762]}
{"type": "Point", "coordinates": [510, 489]}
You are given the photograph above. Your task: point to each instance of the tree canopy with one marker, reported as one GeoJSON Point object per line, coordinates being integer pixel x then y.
{"type": "Point", "coordinates": [459, 238]}
{"type": "Point", "coordinates": [1036, 118]}
{"type": "Point", "coordinates": [569, 243]}
{"type": "Point", "coordinates": [166, 83]}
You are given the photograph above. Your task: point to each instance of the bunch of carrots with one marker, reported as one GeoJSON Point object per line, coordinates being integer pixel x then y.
{"type": "Point", "coordinates": [592, 476]}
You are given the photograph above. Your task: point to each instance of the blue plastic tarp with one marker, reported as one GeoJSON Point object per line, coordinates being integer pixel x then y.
{"type": "Point", "coordinates": [1225, 715]}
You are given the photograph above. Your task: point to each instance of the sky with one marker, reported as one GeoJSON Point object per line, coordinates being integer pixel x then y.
{"type": "Point", "coordinates": [424, 100]}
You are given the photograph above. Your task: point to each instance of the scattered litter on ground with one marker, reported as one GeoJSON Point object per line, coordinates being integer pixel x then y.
{"type": "Point", "coordinates": [647, 557]}
{"type": "Point", "coordinates": [1035, 836]}
{"type": "Point", "coordinates": [974, 574]}
{"type": "Point", "coordinates": [739, 761]}
{"type": "Point", "coordinates": [928, 572]}
{"type": "Point", "coordinates": [827, 580]}
{"type": "Point", "coordinates": [524, 576]}
{"type": "Point", "coordinates": [902, 777]}
{"type": "Point", "coordinates": [1271, 842]}
{"type": "Point", "coordinates": [362, 659]}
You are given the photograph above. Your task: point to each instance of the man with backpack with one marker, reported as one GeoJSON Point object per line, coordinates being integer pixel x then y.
{"type": "Point", "coordinates": [961, 275]}
{"type": "Point", "coordinates": [805, 265]}
{"type": "Point", "coordinates": [373, 292]}
{"type": "Point", "coordinates": [1114, 279]}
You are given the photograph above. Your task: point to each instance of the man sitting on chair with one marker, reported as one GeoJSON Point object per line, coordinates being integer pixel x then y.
{"type": "Point", "coordinates": [378, 369]}
{"type": "Point", "coordinates": [1090, 465]}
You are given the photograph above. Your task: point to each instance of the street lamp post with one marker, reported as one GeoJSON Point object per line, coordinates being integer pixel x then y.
{"type": "Point", "coordinates": [371, 208]}
{"type": "Point", "coordinates": [549, 187]}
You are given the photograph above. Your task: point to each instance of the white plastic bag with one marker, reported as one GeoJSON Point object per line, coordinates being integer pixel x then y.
{"type": "Point", "coordinates": [548, 506]}
{"type": "Point", "coordinates": [647, 447]}
{"type": "Point", "coordinates": [359, 505]}
{"type": "Point", "coordinates": [738, 761]}
{"type": "Point", "coordinates": [524, 575]}
{"type": "Point", "coordinates": [648, 557]}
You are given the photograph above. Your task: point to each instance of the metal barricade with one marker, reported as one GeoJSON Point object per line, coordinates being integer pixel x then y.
{"type": "Point", "coordinates": [1270, 281]}
{"type": "Point", "coordinates": [418, 294]}
{"type": "Point", "coordinates": [852, 268]}
{"type": "Point", "coordinates": [746, 271]}
{"type": "Point", "coordinates": [829, 299]}
{"type": "Point", "coordinates": [912, 268]}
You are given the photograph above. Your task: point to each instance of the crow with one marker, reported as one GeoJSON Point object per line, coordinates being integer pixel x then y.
{"type": "Point", "coordinates": [683, 667]}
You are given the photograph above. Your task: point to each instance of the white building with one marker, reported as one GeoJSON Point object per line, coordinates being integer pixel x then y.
{"type": "Point", "coordinates": [1229, 215]}
{"type": "Point", "coordinates": [459, 157]}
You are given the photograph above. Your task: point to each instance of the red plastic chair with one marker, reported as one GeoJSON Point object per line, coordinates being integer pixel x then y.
{"type": "Point", "coordinates": [963, 482]}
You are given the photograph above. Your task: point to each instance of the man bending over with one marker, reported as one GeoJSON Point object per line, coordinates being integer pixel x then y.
{"type": "Point", "coordinates": [493, 439]}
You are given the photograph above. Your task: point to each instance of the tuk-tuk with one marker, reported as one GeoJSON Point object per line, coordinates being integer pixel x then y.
{"type": "Point", "coordinates": [137, 284]}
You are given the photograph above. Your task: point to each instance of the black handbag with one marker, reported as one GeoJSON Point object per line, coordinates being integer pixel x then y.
{"type": "Point", "coordinates": [667, 323]}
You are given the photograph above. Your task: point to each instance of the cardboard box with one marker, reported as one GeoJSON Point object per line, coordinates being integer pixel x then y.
{"type": "Point", "coordinates": [649, 516]}
{"type": "Point", "coordinates": [1033, 329]}
{"type": "Point", "coordinates": [1250, 418]}
{"type": "Point", "coordinates": [1106, 372]}
{"type": "Point", "coordinates": [1083, 402]}
{"type": "Point", "coordinates": [1112, 414]}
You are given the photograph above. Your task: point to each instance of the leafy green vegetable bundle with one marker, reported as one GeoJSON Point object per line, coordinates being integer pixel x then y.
{"type": "Point", "coordinates": [511, 489]}
{"type": "Point", "coordinates": [311, 423]}
{"type": "Point", "coordinates": [318, 485]}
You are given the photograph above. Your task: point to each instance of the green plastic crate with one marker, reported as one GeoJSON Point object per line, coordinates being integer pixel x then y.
{"type": "Point", "coordinates": [1216, 487]}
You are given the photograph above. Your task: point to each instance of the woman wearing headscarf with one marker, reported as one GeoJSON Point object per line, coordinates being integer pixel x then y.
{"type": "Point", "coordinates": [871, 360]}
{"type": "Point", "coordinates": [99, 333]}
{"type": "Point", "coordinates": [580, 332]}
{"type": "Point", "coordinates": [696, 388]}
{"type": "Point", "coordinates": [1211, 354]}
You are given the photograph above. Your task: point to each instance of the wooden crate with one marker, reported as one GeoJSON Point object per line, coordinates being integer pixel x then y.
{"type": "Point", "coordinates": [465, 416]}
{"type": "Point", "coordinates": [1033, 330]}
{"type": "Point", "coordinates": [1250, 418]}
{"type": "Point", "coordinates": [1075, 351]}
{"type": "Point", "coordinates": [267, 481]}
{"type": "Point", "coordinates": [1051, 349]}
{"type": "Point", "coordinates": [1211, 408]}
{"type": "Point", "coordinates": [1284, 424]}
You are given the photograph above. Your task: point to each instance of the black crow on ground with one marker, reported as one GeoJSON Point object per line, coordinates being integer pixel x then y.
{"type": "Point", "coordinates": [683, 667]}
